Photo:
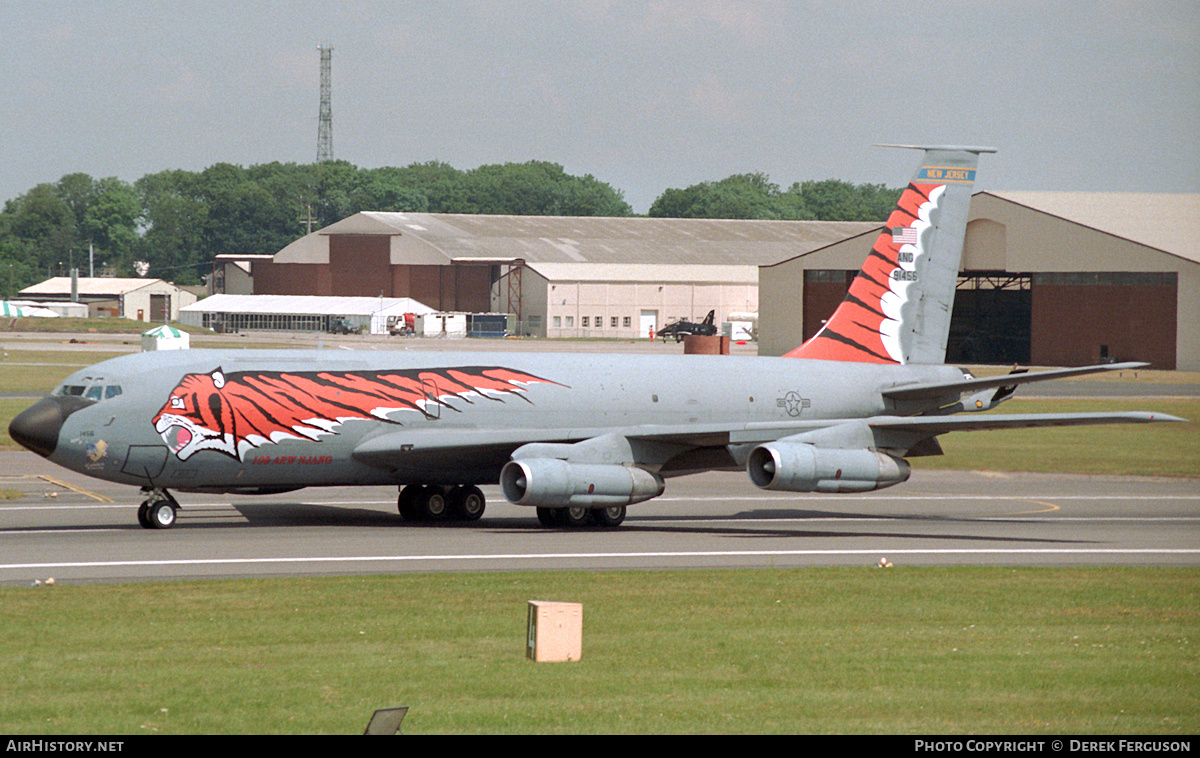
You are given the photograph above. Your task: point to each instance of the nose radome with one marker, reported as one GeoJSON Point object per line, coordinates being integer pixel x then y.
{"type": "Point", "coordinates": [37, 426]}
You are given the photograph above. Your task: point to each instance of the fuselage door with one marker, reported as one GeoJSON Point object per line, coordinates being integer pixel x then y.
{"type": "Point", "coordinates": [145, 461]}
{"type": "Point", "coordinates": [433, 405]}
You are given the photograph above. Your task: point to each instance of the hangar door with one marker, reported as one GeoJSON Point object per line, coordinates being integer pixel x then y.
{"type": "Point", "coordinates": [1090, 317]}
{"type": "Point", "coordinates": [992, 318]}
{"type": "Point", "coordinates": [160, 309]}
{"type": "Point", "coordinates": [824, 290]}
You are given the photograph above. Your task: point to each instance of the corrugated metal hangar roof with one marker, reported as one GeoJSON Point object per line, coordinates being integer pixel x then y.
{"type": "Point", "coordinates": [585, 239]}
{"type": "Point", "coordinates": [90, 286]}
{"type": "Point", "coordinates": [645, 272]}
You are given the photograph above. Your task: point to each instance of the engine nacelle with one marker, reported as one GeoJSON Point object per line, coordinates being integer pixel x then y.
{"type": "Point", "coordinates": [800, 467]}
{"type": "Point", "coordinates": [555, 483]}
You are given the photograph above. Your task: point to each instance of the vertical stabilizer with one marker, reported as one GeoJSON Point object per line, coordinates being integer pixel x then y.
{"type": "Point", "coordinates": [898, 307]}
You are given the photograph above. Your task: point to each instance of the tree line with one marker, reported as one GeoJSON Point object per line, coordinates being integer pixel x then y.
{"type": "Point", "coordinates": [173, 223]}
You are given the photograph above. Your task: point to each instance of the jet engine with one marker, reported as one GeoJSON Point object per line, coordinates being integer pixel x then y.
{"type": "Point", "coordinates": [555, 483]}
{"type": "Point", "coordinates": [801, 467]}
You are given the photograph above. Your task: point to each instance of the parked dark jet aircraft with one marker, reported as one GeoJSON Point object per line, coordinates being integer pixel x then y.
{"type": "Point", "coordinates": [683, 327]}
{"type": "Point", "coordinates": [577, 437]}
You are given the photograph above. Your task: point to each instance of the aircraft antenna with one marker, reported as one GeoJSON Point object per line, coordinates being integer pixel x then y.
{"type": "Point", "coordinates": [325, 118]}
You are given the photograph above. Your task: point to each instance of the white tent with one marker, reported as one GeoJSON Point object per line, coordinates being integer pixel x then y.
{"type": "Point", "coordinates": [297, 312]}
{"type": "Point", "coordinates": [165, 338]}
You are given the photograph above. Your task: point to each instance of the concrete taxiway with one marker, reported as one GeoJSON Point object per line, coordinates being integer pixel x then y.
{"type": "Point", "coordinates": [76, 529]}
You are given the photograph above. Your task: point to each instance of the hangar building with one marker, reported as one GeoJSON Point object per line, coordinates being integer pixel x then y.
{"type": "Point", "coordinates": [1053, 279]}
{"type": "Point", "coordinates": [560, 276]}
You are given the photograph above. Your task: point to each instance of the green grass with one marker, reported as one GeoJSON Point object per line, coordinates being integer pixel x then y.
{"type": "Point", "coordinates": [64, 357]}
{"type": "Point", "coordinates": [1160, 449]}
{"type": "Point", "coordinates": [96, 325]}
{"type": "Point", "coordinates": [933, 650]}
{"type": "Point", "coordinates": [39, 371]}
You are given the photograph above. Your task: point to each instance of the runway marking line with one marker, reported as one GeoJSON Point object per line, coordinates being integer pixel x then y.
{"type": "Point", "coordinates": [1050, 508]}
{"type": "Point", "coordinates": [560, 556]}
{"type": "Point", "coordinates": [86, 493]}
{"type": "Point", "coordinates": [767, 501]}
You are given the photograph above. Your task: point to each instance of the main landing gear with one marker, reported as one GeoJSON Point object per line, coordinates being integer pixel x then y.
{"type": "Point", "coordinates": [427, 502]}
{"type": "Point", "coordinates": [577, 517]}
{"type": "Point", "coordinates": [422, 502]}
{"type": "Point", "coordinates": [158, 510]}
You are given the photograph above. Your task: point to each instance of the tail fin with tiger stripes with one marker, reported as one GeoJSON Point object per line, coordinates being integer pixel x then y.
{"type": "Point", "coordinates": [898, 307]}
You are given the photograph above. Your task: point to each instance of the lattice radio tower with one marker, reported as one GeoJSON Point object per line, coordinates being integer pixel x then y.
{"type": "Point", "coordinates": [325, 118]}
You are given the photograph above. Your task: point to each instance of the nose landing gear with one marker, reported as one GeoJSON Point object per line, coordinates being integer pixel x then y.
{"type": "Point", "coordinates": [158, 510]}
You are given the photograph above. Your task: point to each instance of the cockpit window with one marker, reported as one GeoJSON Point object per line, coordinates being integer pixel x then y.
{"type": "Point", "coordinates": [94, 392]}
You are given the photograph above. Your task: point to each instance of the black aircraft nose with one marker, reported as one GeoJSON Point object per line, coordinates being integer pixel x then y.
{"type": "Point", "coordinates": [37, 426]}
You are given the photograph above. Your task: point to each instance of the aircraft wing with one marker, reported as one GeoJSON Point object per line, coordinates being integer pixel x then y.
{"type": "Point", "coordinates": [410, 446]}
{"type": "Point", "coordinates": [433, 448]}
{"type": "Point", "coordinates": [942, 424]}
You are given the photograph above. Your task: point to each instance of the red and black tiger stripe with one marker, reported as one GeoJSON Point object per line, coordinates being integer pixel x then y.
{"type": "Point", "coordinates": [232, 412]}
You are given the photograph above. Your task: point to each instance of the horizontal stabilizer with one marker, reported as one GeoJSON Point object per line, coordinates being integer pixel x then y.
{"type": "Point", "coordinates": [923, 391]}
{"type": "Point", "coordinates": [943, 148]}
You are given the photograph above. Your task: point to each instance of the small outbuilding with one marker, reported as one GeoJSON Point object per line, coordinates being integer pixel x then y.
{"type": "Point", "coordinates": [152, 300]}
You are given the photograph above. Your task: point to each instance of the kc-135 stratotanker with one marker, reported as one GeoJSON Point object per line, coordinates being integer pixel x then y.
{"type": "Point", "coordinates": [578, 437]}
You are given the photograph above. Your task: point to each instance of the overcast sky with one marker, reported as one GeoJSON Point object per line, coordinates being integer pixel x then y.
{"type": "Point", "coordinates": [642, 94]}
